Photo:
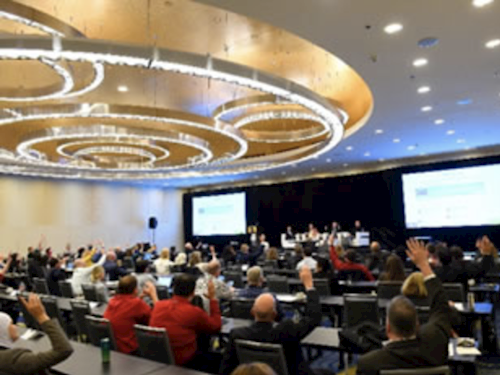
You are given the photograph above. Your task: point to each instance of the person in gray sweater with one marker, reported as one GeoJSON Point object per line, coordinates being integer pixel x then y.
{"type": "Point", "coordinates": [23, 361]}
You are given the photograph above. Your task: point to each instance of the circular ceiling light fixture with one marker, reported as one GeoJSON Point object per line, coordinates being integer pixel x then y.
{"type": "Point", "coordinates": [420, 62]}
{"type": "Point", "coordinates": [494, 43]}
{"type": "Point", "coordinates": [426, 108]}
{"type": "Point", "coordinates": [481, 3]}
{"type": "Point", "coordinates": [439, 121]}
{"type": "Point", "coordinates": [423, 89]}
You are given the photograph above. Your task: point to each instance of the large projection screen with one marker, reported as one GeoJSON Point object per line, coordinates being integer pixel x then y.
{"type": "Point", "coordinates": [219, 215]}
{"type": "Point", "coordinates": [452, 198]}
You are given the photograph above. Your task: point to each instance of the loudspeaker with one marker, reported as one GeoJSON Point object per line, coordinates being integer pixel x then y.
{"type": "Point", "coordinates": [153, 222]}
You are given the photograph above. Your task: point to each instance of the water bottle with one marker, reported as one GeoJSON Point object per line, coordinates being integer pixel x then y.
{"type": "Point", "coordinates": [105, 348]}
{"type": "Point", "coordinates": [470, 300]}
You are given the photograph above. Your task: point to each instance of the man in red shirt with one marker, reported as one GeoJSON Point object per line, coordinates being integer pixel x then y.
{"type": "Point", "coordinates": [350, 264]}
{"type": "Point", "coordinates": [184, 321]}
{"type": "Point", "coordinates": [126, 309]}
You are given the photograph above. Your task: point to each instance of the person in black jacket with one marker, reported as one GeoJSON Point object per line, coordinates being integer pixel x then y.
{"type": "Point", "coordinates": [287, 333]}
{"type": "Point", "coordinates": [55, 275]}
{"type": "Point", "coordinates": [410, 346]}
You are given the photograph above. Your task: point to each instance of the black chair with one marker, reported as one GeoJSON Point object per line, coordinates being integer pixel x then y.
{"type": "Point", "coordinates": [241, 307]}
{"type": "Point", "coordinates": [100, 328]}
{"type": "Point", "coordinates": [80, 310]}
{"type": "Point", "coordinates": [52, 309]}
{"type": "Point", "coordinates": [66, 289]}
{"type": "Point", "coordinates": [236, 277]}
{"type": "Point", "coordinates": [278, 284]}
{"type": "Point", "coordinates": [359, 308]}
{"type": "Point", "coordinates": [28, 318]}
{"type": "Point", "coordinates": [455, 291]}
{"type": "Point", "coordinates": [271, 264]}
{"type": "Point", "coordinates": [270, 354]}
{"type": "Point", "coordinates": [322, 286]}
{"type": "Point", "coordinates": [90, 292]}
{"type": "Point", "coordinates": [128, 263]}
{"type": "Point", "coordinates": [40, 286]}
{"type": "Point", "coordinates": [389, 289]}
{"type": "Point", "coordinates": [352, 275]}
{"type": "Point", "coordinates": [440, 370]}
{"type": "Point", "coordinates": [162, 292]}
{"type": "Point", "coordinates": [154, 344]}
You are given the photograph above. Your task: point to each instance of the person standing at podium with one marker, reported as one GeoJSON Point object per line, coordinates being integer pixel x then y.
{"type": "Point", "coordinates": [357, 228]}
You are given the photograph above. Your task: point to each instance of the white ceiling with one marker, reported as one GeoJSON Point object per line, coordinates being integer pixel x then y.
{"type": "Point", "coordinates": [460, 67]}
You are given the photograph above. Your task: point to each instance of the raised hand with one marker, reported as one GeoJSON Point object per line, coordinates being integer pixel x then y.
{"type": "Point", "coordinates": [306, 277]}
{"type": "Point", "coordinates": [486, 247]}
{"type": "Point", "coordinates": [35, 308]}
{"type": "Point", "coordinates": [149, 289]}
{"type": "Point", "coordinates": [419, 255]}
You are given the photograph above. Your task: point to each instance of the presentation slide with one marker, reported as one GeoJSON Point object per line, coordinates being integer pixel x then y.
{"type": "Point", "coordinates": [453, 197]}
{"type": "Point", "coordinates": [223, 214]}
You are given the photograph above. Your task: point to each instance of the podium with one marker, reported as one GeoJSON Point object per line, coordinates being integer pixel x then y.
{"type": "Point", "coordinates": [361, 239]}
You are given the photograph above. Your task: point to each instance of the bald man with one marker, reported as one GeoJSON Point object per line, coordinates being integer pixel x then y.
{"type": "Point", "coordinates": [287, 333]}
{"type": "Point", "coordinates": [213, 271]}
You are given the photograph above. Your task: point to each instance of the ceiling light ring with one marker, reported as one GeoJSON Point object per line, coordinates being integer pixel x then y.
{"type": "Point", "coordinates": [254, 101]}
{"type": "Point", "coordinates": [134, 151]}
{"type": "Point", "coordinates": [29, 141]}
{"type": "Point", "coordinates": [162, 151]}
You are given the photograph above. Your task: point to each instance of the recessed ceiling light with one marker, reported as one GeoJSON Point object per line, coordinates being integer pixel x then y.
{"type": "Point", "coordinates": [423, 89]}
{"type": "Point", "coordinates": [396, 140]}
{"type": "Point", "coordinates": [427, 108]}
{"type": "Point", "coordinates": [420, 62]}
{"type": "Point", "coordinates": [379, 131]}
{"type": "Point", "coordinates": [461, 140]}
{"type": "Point", "coordinates": [494, 43]}
{"type": "Point", "coordinates": [122, 88]}
{"type": "Point", "coordinates": [328, 160]}
{"type": "Point", "coordinates": [465, 101]}
{"type": "Point", "coordinates": [439, 121]}
{"type": "Point", "coordinates": [367, 154]}
{"type": "Point", "coordinates": [349, 148]}
{"type": "Point", "coordinates": [411, 147]}
{"type": "Point", "coordinates": [450, 132]}
{"type": "Point", "coordinates": [393, 28]}
{"type": "Point", "coordinates": [481, 3]}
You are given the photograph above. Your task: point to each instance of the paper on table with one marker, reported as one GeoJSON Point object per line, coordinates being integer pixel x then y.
{"type": "Point", "coordinates": [93, 305]}
{"type": "Point", "coordinates": [463, 351]}
{"type": "Point", "coordinates": [29, 334]}
{"type": "Point", "coordinates": [286, 298]}
{"type": "Point", "coordinates": [459, 306]}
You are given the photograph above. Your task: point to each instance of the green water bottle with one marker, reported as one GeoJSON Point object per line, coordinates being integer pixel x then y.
{"type": "Point", "coordinates": [105, 348]}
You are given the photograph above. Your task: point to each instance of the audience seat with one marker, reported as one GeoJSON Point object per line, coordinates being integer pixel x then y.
{"type": "Point", "coordinates": [41, 286]}
{"type": "Point", "coordinates": [278, 284]}
{"type": "Point", "coordinates": [66, 289]}
{"type": "Point", "coordinates": [352, 275]}
{"type": "Point", "coordinates": [154, 344]}
{"type": "Point", "coordinates": [90, 292]}
{"type": "Point", "coordinates": [455, 291]}
{"type": "Point", "coordinates": [359, 308]}
{"type": "Point", "coordinates": [271, 354]}
{"type": "Point", "coordinates": [98, 329]}
{"type": "Point", "coordinates": [389, 289]}
{"type": "Point", "coordinates": [52, 309]}
{"type": "Point", "coordinates": [236, 277]}
{"type": "Point", "coordinates": [322, 286]}
{"type": "Point", "coordinates": [241, 307]}
{"type": "Point", "coordinates": [80, 310]}
{"type": "Point", "coordinates": [162, 292]}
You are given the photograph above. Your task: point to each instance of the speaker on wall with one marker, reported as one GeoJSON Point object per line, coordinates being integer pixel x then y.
{"type": "Point", "coordinates": [153, 222]}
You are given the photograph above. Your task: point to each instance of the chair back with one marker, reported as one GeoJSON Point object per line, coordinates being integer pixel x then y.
{"type": "Point", "coordinates": [80, 309]}
{"type": "Point", "coordinates": [241, 307]}
{"type": "Point", "coordinates": [41, 286]}
{"type": "Point", "coordinates": [128, 263]}
{"type": "Point", "coordinates": [322, 286]}
{"type": "Point", "coordinates": [154, 344]}
{"type": "Point", "coordinates": [90, 292]}
{"type": "Point", "coordinates": [99, 328]}
{"type": "Point", "coordinates": [271, 264]}
{"type": "Point", "coordinates": [162, 292]}
{"type": "Point", "coordinates": [389, 289]}
{"type": "Point", "coordinates": [352, 275]}
{"type": "Point", "coordinates": [52, 309]}
{"type": "Point", "coordinates": [440, 370]}
{"type": "Point", "coordinates": [455, 292]}
{"type": "Point", "coordinates": [28, 318]}
{"type": "Point", "coordinates": [236, 277]}
{"type": "Point", "coordinates": [278, 284]}
{"type": "Point", "coordinates": [424, 313]}
{"type": "Point", "coordinates": [359, 308]}
{"type": "Point", "coordinates": [270, 354]}
{"type": "Point", "coordinates": [66, 289]}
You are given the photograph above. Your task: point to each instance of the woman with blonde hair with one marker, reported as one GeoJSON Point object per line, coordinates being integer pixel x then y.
{"type": "Point", "coordinates": [193, 267]}
{"type": "Point", "coordinates": [97, 278]}
{"type": "Point", "coordinates": [163, 263]}
{"type": "Point", "coordinates": [254, 368]}
{"type": "Point", "coordinates": [414, 286]}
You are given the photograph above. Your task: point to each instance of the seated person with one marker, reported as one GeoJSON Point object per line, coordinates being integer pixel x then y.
{"type": "Point", "coordinates": [254, 368]}
{"type": "Point", "coordinates": [324, 271]}
{"type": "Point", "coordinates": [243, 256]}
{"type": "Point", "coordinates": [409, 345]}
{"type": "Point", "coordinates": [142, 275]}
{"type": "Point", "coordinates": [55, 275]}
{"type": "Point", "coordinates": [350, 263]}
{"type": "Point", "coordinates": [113, 270]}
{"type": "Point", "coordinates": [254, 288]}
{"type": "Point", "coordinates": [414, 288]}
{"type": "Point", "coordinates": [163, 263]}
{"type": "Point", "coordinates": [194, 265]}
{"type": "Point", "coordinates": [184, 322]}
{"type": "Point", "coordinates": [228, 254]}
{"type": "Point", "coordinates": [82, 272]}
{"type": "Point", "coordinates": [8, 330]}
{"type": "Point", "coordinates": [97, 278]}
{"type": "Point", "coordinates": [287, 333]}
{"type": "Point", "coordinates": [5, 269]}
{"type": "Point", "coordinates": [308, 260]}
{"type": "Point", "coordinates": [126, 309]}
{"type": "Point", "coordinates": [213, 271]}
{"type": "Point", "coordinates": [394, 269]}
{"type": "Point", "coordinates": [377, 257]}
{"type": "Point", "coordinates": [23, 361]}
